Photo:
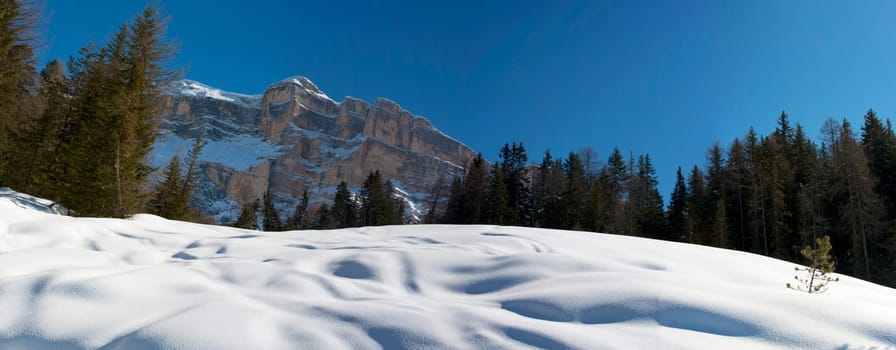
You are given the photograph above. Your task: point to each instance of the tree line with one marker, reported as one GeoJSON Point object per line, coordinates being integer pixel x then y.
{"type": "Point", "coordinates": [766, 194]}
{"type": "Point", "coordinates": [375, 205]}
{"type": "Point", "coordinates": [79, 133]}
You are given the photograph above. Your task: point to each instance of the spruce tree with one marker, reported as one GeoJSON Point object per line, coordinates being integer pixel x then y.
{"type": "Point", "coordinates": [344, 212]}
{"type": "Point", "coordinates": [248, 218]}
{"type": "Point", "coordinates": [454, 210]}
{"type": "Point", "coordinates": [475, 184]}
{"type": "Point", "coordinates": [498, 207]}
{"type": "Point", "coordinates": [696, 207]}
{"type": "Point", "coordinates": [575, 192]}
{"type": "Point", "coordinates": [323, 218]}
{"type": "Point", "coordinates": [165, 200]}
{"type": "Point", "coordinates": [615, 176]}
{"type": "Point", "coordinates": [678, 209]}
{"type": "Point", "coordinates": [271, 219]}
{"type": "Point", "coordinates": [299, 220]}
{"type": "Point", "coordinates": [17, 23]}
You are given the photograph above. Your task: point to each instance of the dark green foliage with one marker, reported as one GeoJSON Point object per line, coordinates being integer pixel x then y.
{"type": "Point", "coordinates": [344, 211]}
{"type": "Point", "coordinates": [299, 219]}
{"type": "Point", "coordinates": [678, 210]}
{"type": "Point", "coordinates": [97, 127]}
{"type": "Point", "coordinates": [378, 203]}
{"type": "Point", "coordinates": [17, 105]}
{"type": "Point", "coordinates": [820, 265]}
{"type": "Point", "coordinates": [248, 218]}
{"type": "Point", "coordinates": [323, 218]}
{"type": "Point", "coordinates": [164, 201]}
{"type": "Point", "coordinates": [171, 197]}
{"type": "Point", "coordinates": [499, 211]}
{"type": "Point", "coordinates": [516, 179]}
{"type": "Point", "coordinates": [696, 208]}
{"type": "Point", "coordinates": [575, 192]}
{"type": "Point", "coordinates": [454, 210]}
{"type": "Point", "coordinates": [271, 220]}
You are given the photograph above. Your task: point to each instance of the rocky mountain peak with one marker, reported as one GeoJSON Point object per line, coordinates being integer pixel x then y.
{"type": "Point", "coordinates": [293, 137]}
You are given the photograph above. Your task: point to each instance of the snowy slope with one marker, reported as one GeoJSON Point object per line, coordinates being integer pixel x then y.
{"type": "Point", "coordinates": [149, 283]}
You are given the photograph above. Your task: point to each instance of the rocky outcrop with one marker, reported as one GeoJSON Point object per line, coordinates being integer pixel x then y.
{"type": "Point", "coordinates": [293, 138]}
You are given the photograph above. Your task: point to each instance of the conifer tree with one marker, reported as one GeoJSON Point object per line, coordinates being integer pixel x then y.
{"type": "Point", "coordinates": [879, 145]}
{"type": "Point", "coordinates": [248, 218]}
{"type": "Point", "coordinates": [648, 212]}
{"type": "Point", "coordinates": [678, 202]}
{"type": "Point", "coordinates": [575, 192]}
{"type": "Point", "coordinates": [475, 184]}
{"type": "Point", "coordinates": [615, 177]}
{"type": "Point", "coordinates": [323, 217]}
{"type": "Point", "coordinates": [344, 212]}
{"type": "Point", "coordinates": [820, 265]}
{"type": "Point", "coordinates": [737, 195]}
{"type": "Point", "coordinates": [696, 207]}
{"type": "Point", "coordinates": [498, 208]}
{"type": "Point", "coordinates": [17, 24]}
{"type": "Point", "coordinates": [271, 219]}
{"type": "Point", "coordinates": [165, 199]}
{"type": "Point", "coordinates": [378, 205]}
{"type": "Point", "coordinates": [454, 210]}
{"type": "Point", "coordinates": [299, 220]}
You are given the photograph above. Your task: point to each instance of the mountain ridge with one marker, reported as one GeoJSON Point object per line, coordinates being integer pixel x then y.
{"type": "Point", "coordinates": [293, 137]}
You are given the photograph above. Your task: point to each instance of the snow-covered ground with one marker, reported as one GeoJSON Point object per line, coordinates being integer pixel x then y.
{"type": "Point", "coordinates": [150, 283]}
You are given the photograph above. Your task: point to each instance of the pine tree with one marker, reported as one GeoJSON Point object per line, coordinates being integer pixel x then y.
{"type": "Point", "coordinates": [615, 177]}
{"type": "Point", "coordinates": [648, 213]}
{"type": "Point", "coordinates": [323, 217]}
{"type": "Point", "coordinates": [715, 200]}
{"type": "Point", "coordinates": [475, 184]}
{"type": "Point", "coordinates": [248, 218]}
{"type": "Point", "coordinates": [344, 211]}
{"type": "Point", "coordinates": [164, 202]}
{"type": "Point", "coordinates": [696, 207]}
{"type": "Point", "coordinates": [299, 220]}
{"type": "Point", "coordinates": [575, 192]}
{"type": "Point", "coordinates": [879, 145]}
{"type": "Point", "coordinates": [378, 203]}
{"type": "Point", "coordinates": [859, 207]}
{"type": "Point", "coordinates": [17, 22]}
{"type": "Point", "coordinates": [678, 209]}
{"type": "Point", "coordinates": [34, 158]}
{"type": "Point", "coordinates": [820, 265]}
{"type": "Point", "coordinates": [271, 219]}
{"type": "Point", "coordinates": [498, 208]}
{"type": "Point", "coordinates": [454, 210]}
{"type": "Point", "coordinates": [516, 179]}
{"type": "Point", "coordinates": [737, 170]}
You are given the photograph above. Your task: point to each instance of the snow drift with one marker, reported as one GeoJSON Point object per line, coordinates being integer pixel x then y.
{"type": "Point", "coordinates": [150, 283]}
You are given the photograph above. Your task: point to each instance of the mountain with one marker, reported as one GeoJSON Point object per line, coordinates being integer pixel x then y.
{"type": "Point", "coordinates": [292, 138]}
{"type": "Point", "coordinates": [148, 283]}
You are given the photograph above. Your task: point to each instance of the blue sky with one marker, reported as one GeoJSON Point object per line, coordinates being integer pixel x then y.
{"type": "Point", "coordinates": [668, 78]}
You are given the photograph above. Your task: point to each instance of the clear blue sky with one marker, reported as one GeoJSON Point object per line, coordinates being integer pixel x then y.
{"type": "Point", "coordinates": [667, 78]}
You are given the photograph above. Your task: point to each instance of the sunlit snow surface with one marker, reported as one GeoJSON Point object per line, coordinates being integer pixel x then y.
{"type": "Point", "coordinates": [149, 283]}
{"type": "Point", "coordinates": [240, 152]}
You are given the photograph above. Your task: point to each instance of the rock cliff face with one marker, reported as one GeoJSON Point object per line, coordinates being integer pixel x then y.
{"type": "Point", "coordinates": [294, 138]}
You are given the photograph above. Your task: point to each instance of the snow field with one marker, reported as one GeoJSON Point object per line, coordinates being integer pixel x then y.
{"type": "Point", "coordinates": [150, 283]}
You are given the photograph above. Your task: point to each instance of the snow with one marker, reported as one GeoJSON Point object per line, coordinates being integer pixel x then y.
{"type": "Point", "coordinates": [239, 152]}
{"type": "Point", "coordinates": [307, 85]}
{"type": "Point", "coordinates": [197, 89]}
{"type": "Point", "coordinates": [149, 283]}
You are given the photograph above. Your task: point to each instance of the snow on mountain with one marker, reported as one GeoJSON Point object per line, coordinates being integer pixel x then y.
{"type": "Point", "coordinates": [293, 138]}
{"type": "Point", "coordinates": [238, 151]}
{"type": "Point", "coordinates": [149, 283]}
{"type": "Point", "coordinates": [199, 90]}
